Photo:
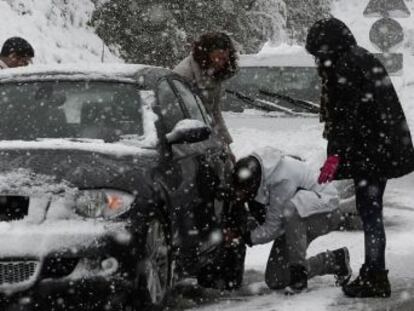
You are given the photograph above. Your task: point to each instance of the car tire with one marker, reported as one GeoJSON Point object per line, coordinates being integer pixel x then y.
{"type": "Point", "coordinates": [227, 270]}
{"type": "Point", "coordinates": [153, 277]}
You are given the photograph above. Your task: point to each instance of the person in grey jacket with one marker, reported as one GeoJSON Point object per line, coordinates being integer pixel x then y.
{"type": "Point", "coordinates": [212, 61]}
{"type": "Point", "coordinates": [292, 210]}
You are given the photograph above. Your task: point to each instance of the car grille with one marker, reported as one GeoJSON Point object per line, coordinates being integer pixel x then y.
{"type": "Point", "coordinates": [15, 272]}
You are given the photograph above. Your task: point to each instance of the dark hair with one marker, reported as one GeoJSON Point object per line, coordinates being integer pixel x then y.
{"type": "Point", "coordinates": [210, 42]}
{"type": "Point", "coordinates": [17, 45]}
{"type": "Point", "coordinates": [247, 174]}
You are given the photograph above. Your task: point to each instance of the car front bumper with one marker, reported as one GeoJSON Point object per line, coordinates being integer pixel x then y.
{"type": "Point", "coordinates": [63, 257]}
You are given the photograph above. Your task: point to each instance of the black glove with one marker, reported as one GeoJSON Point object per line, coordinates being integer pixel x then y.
{"type": "Point", "coordinates": [231, 237]}
{"type": "Point", "coordinates": [247, 239]}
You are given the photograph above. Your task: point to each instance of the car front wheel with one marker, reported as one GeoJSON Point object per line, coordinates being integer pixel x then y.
{"type": "Point", "coordinates": [153, 270]}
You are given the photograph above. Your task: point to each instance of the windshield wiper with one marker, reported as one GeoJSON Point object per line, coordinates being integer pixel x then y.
{"type": "Point", "coordinates": [309, 106]}
{"type": "Point", "coordinates": [265, 104]}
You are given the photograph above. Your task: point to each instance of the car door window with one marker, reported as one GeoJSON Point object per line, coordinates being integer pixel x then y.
{"type": "Point", "coordinates": [170, 106]}
{"type": "Point", "coordinates": [189, 100]}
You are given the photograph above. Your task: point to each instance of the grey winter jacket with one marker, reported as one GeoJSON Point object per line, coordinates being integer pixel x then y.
{"type": "Point", "coordinates": [211, 91]}
{"type": "Point", "coordinates": [287, 179]}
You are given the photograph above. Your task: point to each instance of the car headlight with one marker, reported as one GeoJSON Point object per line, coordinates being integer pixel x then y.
{"type": "Point", "coordinates": [103, 203]}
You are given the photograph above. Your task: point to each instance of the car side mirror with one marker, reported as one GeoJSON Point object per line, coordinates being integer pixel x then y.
{"type": "Point", "coordinates": [188, 131]}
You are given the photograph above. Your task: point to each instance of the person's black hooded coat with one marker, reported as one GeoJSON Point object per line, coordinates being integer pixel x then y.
{"type": "Point", "coordinates": [366, 125]}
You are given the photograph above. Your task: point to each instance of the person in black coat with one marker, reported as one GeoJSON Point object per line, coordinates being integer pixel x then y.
{"type": "Point", "coordinates": [368, 137]}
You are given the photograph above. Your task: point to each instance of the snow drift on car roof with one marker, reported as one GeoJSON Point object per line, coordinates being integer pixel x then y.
{"type": "Point", "coordinates": [89, 71]}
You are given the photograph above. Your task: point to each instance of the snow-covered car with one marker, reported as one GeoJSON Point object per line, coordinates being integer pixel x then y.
{"type": "Point", "coordinates": [110, 182]}
{"type": "Point", "coordinates": [288, 80]}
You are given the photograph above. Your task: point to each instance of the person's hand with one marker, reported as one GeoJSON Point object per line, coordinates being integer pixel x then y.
{"type": "Point", "coordinates": [329, 169]}
{"type": "Point", "coordinates": [231, 237]}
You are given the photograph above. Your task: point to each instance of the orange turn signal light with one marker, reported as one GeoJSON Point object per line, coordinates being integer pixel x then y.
{"type": "Point", "coordinates": [114, 202]}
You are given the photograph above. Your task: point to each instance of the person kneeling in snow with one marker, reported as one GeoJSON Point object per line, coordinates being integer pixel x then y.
{"type": "Point", "coordinates": [297, 210]}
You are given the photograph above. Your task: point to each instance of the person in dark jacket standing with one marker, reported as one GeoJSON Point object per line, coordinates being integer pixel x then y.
{"type": "Point", "coordinates": [16, 52]}
{"type": "Point", "coordinates": [368, 138]}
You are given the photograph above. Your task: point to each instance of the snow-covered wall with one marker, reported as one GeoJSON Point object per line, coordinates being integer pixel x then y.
{"type": "Point", "coordinates": [57, 29]}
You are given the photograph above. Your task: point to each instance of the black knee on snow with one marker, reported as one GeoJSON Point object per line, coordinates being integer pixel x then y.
{"type": "Point", "coordinates": [274, 283]}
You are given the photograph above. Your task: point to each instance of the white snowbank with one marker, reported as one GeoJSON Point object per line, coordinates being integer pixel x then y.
{"type": "Point", "coordinates": [302, 59]}
{"type": "Point", "coordinates": [277, 61]}
{"type": "Point", "coordinates": [278, 55]}
{"type": "Point", "coordinates": [57, 29]}
{"type": "Point", "coordinates": [281, 49]}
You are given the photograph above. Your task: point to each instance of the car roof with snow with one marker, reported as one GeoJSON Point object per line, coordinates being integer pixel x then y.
{"type": "Point", "coordinates": [144, 75]}
{"type": "Point", "coordinates": [277, 60]}
{"type": "Point", "coordinates": [283, 55]}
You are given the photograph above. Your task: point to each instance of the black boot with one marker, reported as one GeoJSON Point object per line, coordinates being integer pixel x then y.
{"type": "Point", "coordinates": [298, 280]}
{"type": "Point", "coordinates": [369, 283]}
{"type": "Point", "coordinates": [343, 271]}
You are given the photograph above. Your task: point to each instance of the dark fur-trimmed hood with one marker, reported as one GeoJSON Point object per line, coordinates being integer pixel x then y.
{"type": "Point", "coordinates": [329, 37]}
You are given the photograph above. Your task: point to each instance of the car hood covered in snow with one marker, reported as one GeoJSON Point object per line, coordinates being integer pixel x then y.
{"type": "Point", "coordinates": [53, 166]}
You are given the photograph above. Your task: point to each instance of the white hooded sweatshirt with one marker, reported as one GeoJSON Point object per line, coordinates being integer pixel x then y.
{"type": "Point", "coordinates": [287, 179]}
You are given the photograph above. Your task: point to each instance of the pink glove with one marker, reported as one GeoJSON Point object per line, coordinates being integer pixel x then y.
{"type": "Point", "coordinates": [329, 169]}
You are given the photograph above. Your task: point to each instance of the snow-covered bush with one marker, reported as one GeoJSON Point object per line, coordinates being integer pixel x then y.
{"type": "Point", "coordinates": [302, 14]}
{"type": "Point", "coordinates": [160, 32]}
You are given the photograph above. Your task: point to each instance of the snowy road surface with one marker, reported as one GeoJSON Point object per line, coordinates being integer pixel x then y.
{"type": "Point", "coordinates": [303, 137]}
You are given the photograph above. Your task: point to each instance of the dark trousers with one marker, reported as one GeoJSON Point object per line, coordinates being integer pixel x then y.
{"type": "Point", "coordinates": [369, 194]}
{"type": "Point", "coordinates": [291, 247]}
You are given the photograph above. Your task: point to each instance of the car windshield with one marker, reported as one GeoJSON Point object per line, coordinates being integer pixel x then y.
{"type": "Point", "coordinates": [297, 82]}
{"type": "Point", "coordinates": [69, 109]}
